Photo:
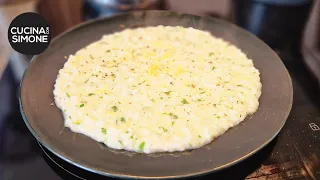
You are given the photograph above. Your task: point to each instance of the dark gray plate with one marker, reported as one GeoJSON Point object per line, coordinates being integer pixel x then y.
{"type": "Point", "coordinates": [45, 121]}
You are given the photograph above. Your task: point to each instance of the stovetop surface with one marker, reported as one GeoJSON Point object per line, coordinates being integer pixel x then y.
{"type": "Point", "coordinates": [293, 154]}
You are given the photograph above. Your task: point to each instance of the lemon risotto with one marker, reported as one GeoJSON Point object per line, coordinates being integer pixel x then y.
{"type": "Point", "coordinates": [157, 89]}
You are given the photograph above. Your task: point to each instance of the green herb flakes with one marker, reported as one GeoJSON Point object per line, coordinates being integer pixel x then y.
{"type": "Point", "coordinates": [174, 116]}
{"type": "Point", "coordinates": [141, 146]}
{"type": "Point", "coordinates": [168, 92]}
{"type": "Point", "coordinates": [68, 94]}
{"type": "Point", "coordinates": [81, 105]}
{"type": "Point", "coordinates": [184, 101]}
{"type": "Point", "coordinates": [122, 119]}
{"type": "Point", "coordinates": [103, 130]}
{"type": "Point", "coordinates": [142, 82]}
{"type": "Point", "coordinates": [164, 129]}
{"type": "Point", "coordinates": [90, 94]}
{"type": "Point", "coordinates": [120, 142]}
{"type": "Point", "coordinates": [114, 108]}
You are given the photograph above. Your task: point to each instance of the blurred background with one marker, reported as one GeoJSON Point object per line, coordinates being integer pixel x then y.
{"type": "Point", "coordinates": [290, 27]}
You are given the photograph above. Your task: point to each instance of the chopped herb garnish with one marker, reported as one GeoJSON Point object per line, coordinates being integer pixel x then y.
{"type": "Point", "coordinates": [108, 50]}
{"type": "Point", "coordinates": [114, 108]}
{"type": "Point", "coordinates": [122, 119]}
{"type": "Point", "coordinates": [168, 92]}
{"type": "Point", "coordinates": [152, 100]}
{"type": "Point", "coordinates": [121, 142]}
{"type": "Point", "coordinates": [184, 101]}
{"type": "Point", "coordinates": [173, 115]}
{"type": "Point", "coordinates": [127, 132]}
{"type": "Point", "coordinates": [199, 136]}
{"type": "Point", "coordinates": [239, 85]}
{"type": "Point", "coordinates": [141, 146]}
{"type": "Point", "coordinates": [200, 100]}
{"type": "Point", "coordinates": [90, 94]}
{"type": "Point", "coordinates": [131, 136]}
{"type": "Point", "coordinates": [81, 105]}
{"type": "Point", "coordinates": [202, 92]}
{"type": "Point", "coordinates": [113, 75]}
{"type": "Point", "coordinates": [213, 68]}
{"type": "Point", "coordinates": [88, 79]}
{"type": "Point", "coordinates": [91, 57]}
{"type": "Point", "coordinates": [69, 117]}
{"type": "Point", "coordinates": [210, 54]}
{"type": "Point", "coordinates": [103, 130]}
{"type": "Point", "coordinates": [142, 82]}
{"type": "Point", "coordinates": [218, 117]}
{"type": "Point", "coordinates": [161, 97]}
{"type": "Point", "coordinates": [164, 129]}
{"type": "Point", "coordinates": [68, 95]}
{"type": "Point", "coordinates": [172, 123]}
{"type": "Point", "coordinates": [147, 84]}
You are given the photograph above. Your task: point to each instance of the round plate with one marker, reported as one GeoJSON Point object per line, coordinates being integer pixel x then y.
{"type": "Point", "coordinates": [45, 120]}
